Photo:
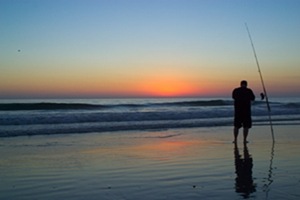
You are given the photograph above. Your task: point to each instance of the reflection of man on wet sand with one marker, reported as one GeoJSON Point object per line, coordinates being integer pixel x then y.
{"type": "Point", "coordinates": [243, 169]}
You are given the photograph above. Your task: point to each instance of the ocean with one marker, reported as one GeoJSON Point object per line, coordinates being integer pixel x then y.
{"type": "Point", "coordinates": [157, 149]}
{"type": "Point", "coordinates": [67, 116]}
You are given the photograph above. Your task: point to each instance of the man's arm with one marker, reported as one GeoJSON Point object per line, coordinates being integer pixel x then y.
{"type": "Point", "coordinates": [234, 94]}
{"type": "Point", "coordinates": [252, 96]}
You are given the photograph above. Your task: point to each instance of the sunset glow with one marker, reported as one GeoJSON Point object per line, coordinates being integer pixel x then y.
{"type": "Point", "coordinates": [169, 87]}
{"type": "Point", "coordinates": [157, 150]}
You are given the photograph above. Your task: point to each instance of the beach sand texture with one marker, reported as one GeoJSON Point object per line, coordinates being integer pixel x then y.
{"type": "Point", "coordinates": [195, 163]}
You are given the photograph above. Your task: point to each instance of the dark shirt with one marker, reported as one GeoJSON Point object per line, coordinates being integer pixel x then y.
{"type": "Point", "coordinates": [242, 99]}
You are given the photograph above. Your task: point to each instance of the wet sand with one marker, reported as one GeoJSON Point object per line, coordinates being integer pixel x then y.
{"type": "Point", "coordinates": [196, 163]}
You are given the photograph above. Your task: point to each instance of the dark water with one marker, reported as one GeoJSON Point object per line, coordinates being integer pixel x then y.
{"type": "Point", "coordinates": [50, 116]}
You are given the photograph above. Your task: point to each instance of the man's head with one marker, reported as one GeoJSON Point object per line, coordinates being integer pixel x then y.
{"type": "Point", "coordinates": [244, 83]}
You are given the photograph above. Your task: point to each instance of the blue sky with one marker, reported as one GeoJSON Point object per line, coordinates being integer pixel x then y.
{"type": "Point", "coordinates": [111, 48]}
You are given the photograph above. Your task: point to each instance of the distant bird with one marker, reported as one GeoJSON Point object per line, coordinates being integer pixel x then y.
{"type": "Point", "coordinates": [19, 50]}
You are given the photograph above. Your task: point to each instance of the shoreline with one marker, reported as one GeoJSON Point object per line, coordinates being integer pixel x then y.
{"type": "Point", "coordinates": [188, 163]}
{"type": "Point", "coordinates": [21, 133]}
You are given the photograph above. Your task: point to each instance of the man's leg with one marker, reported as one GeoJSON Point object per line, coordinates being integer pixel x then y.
{"type": "Point", "coordinates": [235, 134]}
{"type": "Point", "coordinates": [247, 125]}
{"type": "Point", "coordinates": [246, 131]}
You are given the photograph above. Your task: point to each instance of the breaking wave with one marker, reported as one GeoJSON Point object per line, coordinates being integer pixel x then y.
{"type": "Point", "coordinates": [63, 118]}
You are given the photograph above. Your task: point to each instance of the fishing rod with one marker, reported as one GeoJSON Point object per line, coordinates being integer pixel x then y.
{"type": "Point", "coordinates": [262, 82]}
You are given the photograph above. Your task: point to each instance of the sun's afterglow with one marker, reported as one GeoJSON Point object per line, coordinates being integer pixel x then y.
{"type": "Point", "coordinates": [169, 87]}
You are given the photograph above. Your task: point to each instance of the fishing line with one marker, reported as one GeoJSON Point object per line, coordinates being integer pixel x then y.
{"type": "Point", "coordinates": [262, 82]}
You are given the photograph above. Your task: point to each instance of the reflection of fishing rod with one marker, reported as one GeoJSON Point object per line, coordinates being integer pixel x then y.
{"type": "Point", "coordinates": [270, 174]}
{"type": "Point", "coordinates": [262, 82]}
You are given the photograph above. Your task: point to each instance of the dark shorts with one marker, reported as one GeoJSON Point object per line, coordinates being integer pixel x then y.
{"type": "Point", "coordinates": [242, 121]}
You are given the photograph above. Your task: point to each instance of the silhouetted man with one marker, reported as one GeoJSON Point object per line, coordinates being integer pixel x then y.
{"type": "Point", "coordinates": [242, 109]}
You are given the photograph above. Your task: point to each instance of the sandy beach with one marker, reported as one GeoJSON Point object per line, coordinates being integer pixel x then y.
{"type": "Point", "coordinates": [195, 163]}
